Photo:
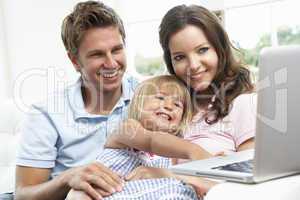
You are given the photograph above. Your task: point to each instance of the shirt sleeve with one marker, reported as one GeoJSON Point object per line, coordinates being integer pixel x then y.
{"type": "Point", "coordinates": [243, 117]}
{"type": "Point", "coordinates": [37, 144]}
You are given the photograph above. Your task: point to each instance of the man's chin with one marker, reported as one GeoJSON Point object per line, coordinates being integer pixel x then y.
{"type": "Point", "coordinates": [110, 87]}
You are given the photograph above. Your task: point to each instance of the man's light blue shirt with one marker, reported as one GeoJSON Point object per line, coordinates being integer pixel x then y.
{"type": "Point", "coordinates": [60, 134]}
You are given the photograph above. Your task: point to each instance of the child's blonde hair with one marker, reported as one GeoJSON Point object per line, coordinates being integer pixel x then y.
{"type": "Point", "coordinates": [151, 87]}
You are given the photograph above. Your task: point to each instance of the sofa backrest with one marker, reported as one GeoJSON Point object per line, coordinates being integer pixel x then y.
{"type": "Point", "coordinates": [10, 120]}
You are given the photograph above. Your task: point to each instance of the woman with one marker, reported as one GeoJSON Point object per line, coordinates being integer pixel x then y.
{"type": "Point", "coordinates": [197, 50]}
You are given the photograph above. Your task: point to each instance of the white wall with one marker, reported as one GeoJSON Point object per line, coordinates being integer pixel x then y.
{"type": "Point", "coordinates": [33, 44]}
{"type": "Point", "coordinates": [3, 58]}
{"type": "Point", "coordinates": [32, 56]}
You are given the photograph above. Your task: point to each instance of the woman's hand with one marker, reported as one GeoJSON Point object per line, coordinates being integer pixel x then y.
{"type": "Point", "coordinates": [220, 153]}
{"type": "Point", "coordinates": [201, 185]}
{"type": "Point", "coordinates": [142, 172]}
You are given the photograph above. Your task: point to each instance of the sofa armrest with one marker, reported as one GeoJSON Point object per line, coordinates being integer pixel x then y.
{"type": "Point", "coordinates": [278, 189]}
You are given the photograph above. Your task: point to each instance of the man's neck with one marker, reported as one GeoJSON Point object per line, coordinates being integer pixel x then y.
{"type": "Point", "coordinates": [102, 102]}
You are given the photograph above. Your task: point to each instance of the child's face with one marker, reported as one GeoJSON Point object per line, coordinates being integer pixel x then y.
{"type": "Point", "coordinates": [162, 111]}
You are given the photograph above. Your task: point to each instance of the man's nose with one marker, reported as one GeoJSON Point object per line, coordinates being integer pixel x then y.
{"type": "Point", "coordinates": [110, 61]}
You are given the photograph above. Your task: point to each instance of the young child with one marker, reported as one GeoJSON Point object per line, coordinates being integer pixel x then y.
{"type": "Point", "coordinates": [161, 104]}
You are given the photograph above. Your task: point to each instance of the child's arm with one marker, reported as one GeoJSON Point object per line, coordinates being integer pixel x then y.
{"type": "Point", "coordinates": [133, 135]}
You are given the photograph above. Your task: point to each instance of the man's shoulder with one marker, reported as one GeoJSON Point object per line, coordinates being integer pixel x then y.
{"type": "Point", "coordinates": [56, 99]}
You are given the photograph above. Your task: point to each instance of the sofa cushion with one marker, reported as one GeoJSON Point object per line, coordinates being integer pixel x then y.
{"type": "Point", "coordinates": [10, 119]}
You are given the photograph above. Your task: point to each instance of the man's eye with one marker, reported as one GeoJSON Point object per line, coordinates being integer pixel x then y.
{"type": "Point", "coordinates": [117, 50]}
{"type": "Point", "coordinates": [96, 55]}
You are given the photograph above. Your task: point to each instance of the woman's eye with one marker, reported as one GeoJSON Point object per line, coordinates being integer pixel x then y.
{"type": "Point", "coordinates": [203, 50]}
{"type": "Point", "coordinates": [178, 58]}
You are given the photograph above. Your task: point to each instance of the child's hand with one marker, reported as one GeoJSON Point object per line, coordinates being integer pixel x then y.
{"type": "Point", "coordinates": [143, 172]}
{"type": "Point", "coordinates": [196, 152]}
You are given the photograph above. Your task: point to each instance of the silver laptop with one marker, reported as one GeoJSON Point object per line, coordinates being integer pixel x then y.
{"type": "Point", "coordinates": [277, 140]}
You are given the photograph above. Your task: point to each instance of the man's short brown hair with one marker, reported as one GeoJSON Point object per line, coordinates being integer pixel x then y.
{"type": "Point", "coordinates": [87, 15]}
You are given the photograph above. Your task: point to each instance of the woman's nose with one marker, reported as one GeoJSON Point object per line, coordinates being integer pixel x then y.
{"type": "Point", "coordinates": [194, 63]}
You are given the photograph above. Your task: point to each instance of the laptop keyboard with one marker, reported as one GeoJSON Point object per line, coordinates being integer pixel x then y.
{"type": "Point", "coordinates": [244, 166]}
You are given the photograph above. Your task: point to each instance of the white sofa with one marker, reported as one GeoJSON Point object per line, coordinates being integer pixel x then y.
{"type": "Point", "coordinates": [11, 118]}
{"type": "Point", "coordinates": [10, 121]}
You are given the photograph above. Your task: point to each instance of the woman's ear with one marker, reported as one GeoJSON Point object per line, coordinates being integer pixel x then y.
{"type": "Point", "coordinates": [74, 60]}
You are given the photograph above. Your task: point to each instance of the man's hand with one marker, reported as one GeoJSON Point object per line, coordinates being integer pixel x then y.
{"type": "Point", "coordinates": [77, 195]}
{"type": "Point", "coordinates": [94, 179]}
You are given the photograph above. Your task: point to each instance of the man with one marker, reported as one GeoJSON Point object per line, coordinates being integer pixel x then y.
{"type": "Point", "coordinates": [57, 147]}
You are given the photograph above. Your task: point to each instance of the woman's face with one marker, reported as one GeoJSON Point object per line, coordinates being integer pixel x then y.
{"type": "Point", "coordinates": [194, 59]}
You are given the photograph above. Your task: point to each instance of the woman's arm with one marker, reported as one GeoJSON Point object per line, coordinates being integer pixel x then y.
{"type": "Point", "coordinates": [201, 185]}
{"type": "Point", "coordinates": [132, 134]}
{"type": "Point", "coordinates": [248, 144]}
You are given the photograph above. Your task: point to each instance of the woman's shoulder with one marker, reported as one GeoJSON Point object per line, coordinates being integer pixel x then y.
{"type": "Point", "coordinates": [245, 99]}
{"type": "Point", "coordinates": [244, 103]}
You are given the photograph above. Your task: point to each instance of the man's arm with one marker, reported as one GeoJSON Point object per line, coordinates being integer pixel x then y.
{"type": "Point", "coordinates": [133, 135]}
{"type": "Point", "coordinates": [34, 184]}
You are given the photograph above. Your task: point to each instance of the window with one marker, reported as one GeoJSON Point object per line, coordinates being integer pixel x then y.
{"type": "Point", "coordinates": [142, 25]}
{"type": "Point", "coordinates": [251, 26]}
{"type": "Point", "coordinates": [254, 26]}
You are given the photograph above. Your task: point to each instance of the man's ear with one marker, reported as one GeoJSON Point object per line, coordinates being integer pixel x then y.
{"type": "Point", "coordinates": [74, 60]}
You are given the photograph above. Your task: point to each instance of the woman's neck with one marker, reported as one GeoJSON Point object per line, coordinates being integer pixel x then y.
{"type": "Point", "coordinates": [201, 100]}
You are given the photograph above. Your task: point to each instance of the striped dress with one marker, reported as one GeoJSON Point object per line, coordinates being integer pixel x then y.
{"type": "Point", "coordinates": [123, 161]}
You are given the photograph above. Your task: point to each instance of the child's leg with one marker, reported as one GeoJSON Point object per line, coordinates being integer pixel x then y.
{"type": "Point", "coordinates": [153, 189]}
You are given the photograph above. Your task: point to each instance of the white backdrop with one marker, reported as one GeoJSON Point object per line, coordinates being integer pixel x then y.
{"type": "Point", "coordinates": [32, 55]}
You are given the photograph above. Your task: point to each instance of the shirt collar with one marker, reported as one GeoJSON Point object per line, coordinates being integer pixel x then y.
{"type": "Point", "coordinates": [77, 105]}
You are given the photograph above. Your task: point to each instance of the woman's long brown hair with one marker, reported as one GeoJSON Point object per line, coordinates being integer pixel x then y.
{"type": "Point", "coordinates": [232, 78]}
